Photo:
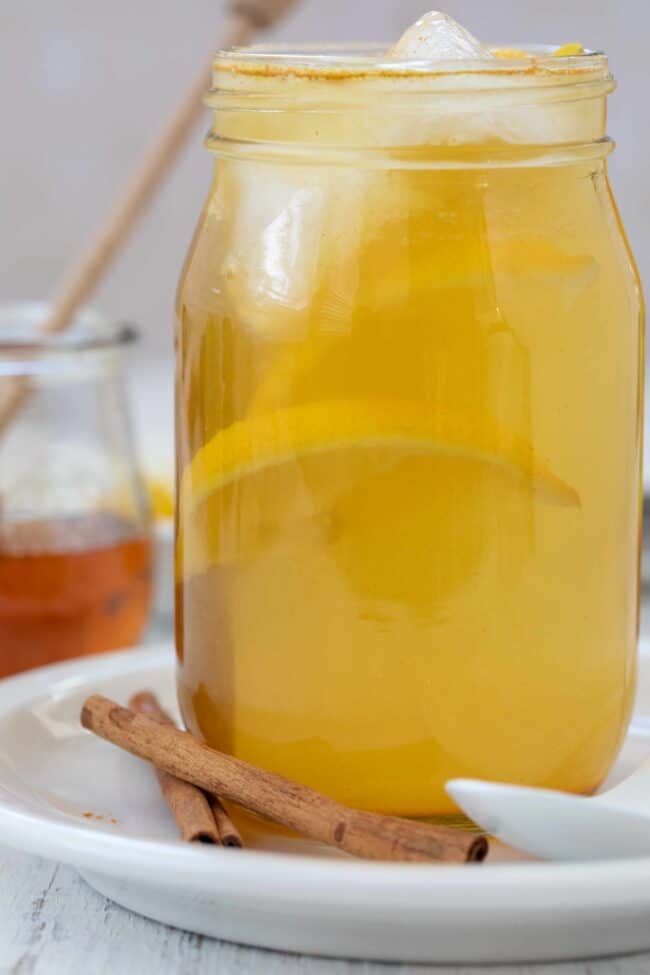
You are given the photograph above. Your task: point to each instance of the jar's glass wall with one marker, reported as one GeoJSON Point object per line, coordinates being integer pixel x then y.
{"type": "Point", "coordinates": [409, 458]}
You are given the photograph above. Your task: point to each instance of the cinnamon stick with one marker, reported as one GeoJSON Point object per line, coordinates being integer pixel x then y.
{"type": "Point", "coordinates": [200, 817]}
{"type": "Point", "coordinates": [190, 807]}
{"type": "Point", "coordinates": [228, 832]}
{"type": "Point", "coordinates": [289, 803]}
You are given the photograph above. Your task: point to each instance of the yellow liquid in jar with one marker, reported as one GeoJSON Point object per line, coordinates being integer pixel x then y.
{"type": "Point", "coordinates": [370, 610]}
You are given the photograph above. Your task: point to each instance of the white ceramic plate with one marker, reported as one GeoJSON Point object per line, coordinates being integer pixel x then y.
{"type": "Point", "coordinates": [284, 893]}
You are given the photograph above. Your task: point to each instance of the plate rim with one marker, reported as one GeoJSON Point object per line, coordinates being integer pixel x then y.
{"type": "Point", "coordinates": [615, 884]}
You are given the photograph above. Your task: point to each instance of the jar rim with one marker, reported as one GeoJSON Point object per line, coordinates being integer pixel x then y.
{"type": "Point", "coordinates": [21, 321]}
{"type": "Point", "coordinates": [356, 61]}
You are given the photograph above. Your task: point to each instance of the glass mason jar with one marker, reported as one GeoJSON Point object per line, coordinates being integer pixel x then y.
{"type": "Point", "coordinates": [75, 554]}
{"type": "Point", "coordinates": [409, 427]}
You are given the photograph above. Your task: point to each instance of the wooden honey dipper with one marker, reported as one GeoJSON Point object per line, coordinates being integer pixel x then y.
{"type": "Point", "coordinates": [244, 19]}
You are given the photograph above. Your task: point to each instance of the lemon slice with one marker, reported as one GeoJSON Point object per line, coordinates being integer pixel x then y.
{"type": "Point", "coordinates": [259, 442]}
{"type": "Point", "coordinates": [432, 285]}
{"type": "Point", "coordinates": [569, 51]}
{"type": "Point", "coordinates": [510, 53]}
{"type": "Point", "coordinates": [161, 497]}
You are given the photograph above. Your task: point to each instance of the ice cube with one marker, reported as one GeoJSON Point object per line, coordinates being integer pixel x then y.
{"type": "Point", "coordinates": [437, 37]}
{"type": "Point", "coordinates": [290, 230]}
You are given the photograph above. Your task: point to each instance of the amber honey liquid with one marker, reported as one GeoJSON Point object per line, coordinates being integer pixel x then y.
{"type": "Point", "coordinates": [373, 609]}
{"type": "Point", "coordinates": [70, 588]}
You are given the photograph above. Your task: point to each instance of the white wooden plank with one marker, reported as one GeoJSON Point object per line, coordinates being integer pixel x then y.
{"type": "Point", "coordinates": [52, 923]}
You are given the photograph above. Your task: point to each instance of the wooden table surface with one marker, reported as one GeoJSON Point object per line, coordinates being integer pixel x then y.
{"type": "Point", "coordinates": [53, 923]}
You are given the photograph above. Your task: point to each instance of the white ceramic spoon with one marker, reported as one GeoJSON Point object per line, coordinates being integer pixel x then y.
{"type": "Point", "coordinates": [559, 826]}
